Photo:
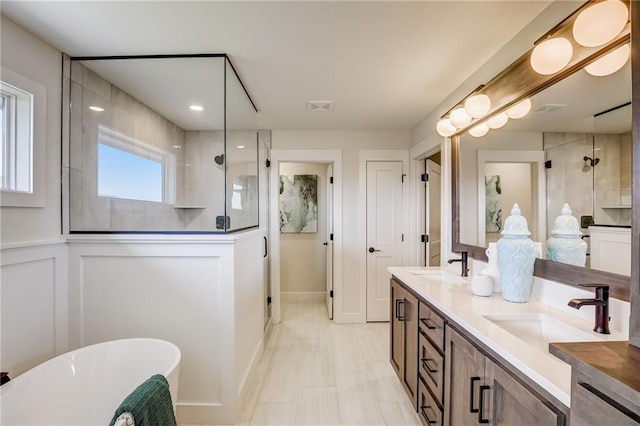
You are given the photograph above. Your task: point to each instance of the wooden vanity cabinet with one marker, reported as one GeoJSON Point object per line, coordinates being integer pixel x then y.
{"type": "Point", "coordinates": [404, 337]}
{"type": "Point", "coordinates": [481, 391]}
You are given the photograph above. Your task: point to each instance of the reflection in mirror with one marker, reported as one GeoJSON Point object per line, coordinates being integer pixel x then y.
{"type": "Point", "coordinates": [573, 147]}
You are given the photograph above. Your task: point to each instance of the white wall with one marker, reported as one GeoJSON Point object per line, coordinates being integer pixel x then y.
{"type": "Point", "coordinates": [350, 143]}
{"type": "Point", "coordinates": [33, 268]}
{"type": "Point", "coordinates": [23, 53]}
{"type": "Point", "coordinates": [303, 260]}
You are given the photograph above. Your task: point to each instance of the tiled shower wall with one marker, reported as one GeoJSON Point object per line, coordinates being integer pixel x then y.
{"type": "Point", "coordinates": [587, 189]}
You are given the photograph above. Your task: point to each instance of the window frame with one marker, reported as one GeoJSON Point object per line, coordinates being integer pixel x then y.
{"type": "Point", "coordinates": [35, 154]}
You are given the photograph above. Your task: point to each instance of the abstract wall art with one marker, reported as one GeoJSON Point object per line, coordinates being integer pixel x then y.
{"type": "Point", "coordinates": [493, 204]}
{"type": "Point", "coordinates": [298, 203]}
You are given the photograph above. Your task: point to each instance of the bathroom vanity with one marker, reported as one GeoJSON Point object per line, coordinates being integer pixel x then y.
{"type": "Point", "coordinates": [465, 359]}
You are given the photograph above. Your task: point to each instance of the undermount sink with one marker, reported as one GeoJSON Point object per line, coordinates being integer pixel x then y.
{"type": "Point", "coordinates": [541, 329]}
{"type": "Point", "coordinates": [439, 275]}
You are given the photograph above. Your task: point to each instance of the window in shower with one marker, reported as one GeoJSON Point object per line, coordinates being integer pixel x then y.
{"type": "Point", "coordinates": [130, 169]}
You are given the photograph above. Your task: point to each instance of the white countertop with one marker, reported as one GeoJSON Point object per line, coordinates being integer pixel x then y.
{"type": "Point", "coordinates": [452, 295]}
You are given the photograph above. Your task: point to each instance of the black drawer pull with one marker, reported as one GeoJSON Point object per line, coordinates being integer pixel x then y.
{"type": "Point", "coordinates": [425, 321]}
{"type": "Point", "coordinates": [481, 418]}
{"type": "Point", "coordinates": [472, 394]}
{"type": "Point", "coordinates": [425, 363]}
{"type": "Point", "coordinates": [425, 414]}
{"type": "Point", "coordinates": [398, 316]}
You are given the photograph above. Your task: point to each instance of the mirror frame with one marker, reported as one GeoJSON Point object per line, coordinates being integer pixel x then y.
{"type": "Point", "coordinates": [514, 84]}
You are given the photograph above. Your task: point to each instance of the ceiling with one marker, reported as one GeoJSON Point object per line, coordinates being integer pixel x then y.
{"type": "Point", "coordinates": [384, 64]}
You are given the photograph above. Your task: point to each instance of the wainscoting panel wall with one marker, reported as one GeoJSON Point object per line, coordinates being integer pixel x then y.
{"type": "Point", "coordinates": [184, 291]}
{"type": "Point", "coordinates": [33, 293]}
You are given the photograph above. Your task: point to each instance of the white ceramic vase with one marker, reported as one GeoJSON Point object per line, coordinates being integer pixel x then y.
{"type": "Point", "coordinates": [566, 244]}
{"type": "Point", "coordinates": [516, 256]}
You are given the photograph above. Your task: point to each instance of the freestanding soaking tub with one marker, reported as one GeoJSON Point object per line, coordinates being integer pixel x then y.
{"type": "Point", "coordinates": [85, 386]}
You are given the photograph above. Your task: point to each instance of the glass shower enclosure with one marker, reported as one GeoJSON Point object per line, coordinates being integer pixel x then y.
{"type": "Point", "coordinates": [163, 143]}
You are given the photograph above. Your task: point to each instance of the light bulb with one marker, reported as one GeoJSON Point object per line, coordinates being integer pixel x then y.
{"type": "Point", "coordinates": [611, 62]}
{"type": "Point", "coordinates": [459, 118]}
{"type": "Point", "coordinates": [519, 110]}
{"type": "Point", "coordinates": [445, 128]}
{"type": "Point", "coordinates": [600, 23]}
{"type": "Point", "coordinates": [479, 131]}
{"type": "Point", "coordinates": [497, 121]}
{"type": "Point", "coordinates": [551, 55]}
{"type": "Point", "coordinates": [477, 105]}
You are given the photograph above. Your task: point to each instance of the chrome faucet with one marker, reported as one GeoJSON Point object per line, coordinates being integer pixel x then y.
{"type": "Point", "coordinates": [463, 261]}
{"type": "Point", "coordinates": [601, 302]}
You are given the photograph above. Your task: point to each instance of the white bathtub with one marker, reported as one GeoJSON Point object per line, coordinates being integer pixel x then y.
{"type": "Point", "coordinates": [85, 386]}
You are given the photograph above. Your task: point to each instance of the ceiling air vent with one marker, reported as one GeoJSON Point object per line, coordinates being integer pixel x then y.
{"type": "Point", "coordinates": [549, 108]}
{"type": "Point", "coordinates": [320, 106]}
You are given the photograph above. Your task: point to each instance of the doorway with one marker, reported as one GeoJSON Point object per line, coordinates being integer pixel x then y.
{"type": "Point", "coordinates": [321, 279]}
{"type": "Point", "coordinates": [305, 232]}
{"type": "Point", "coordinates": [432, 235]}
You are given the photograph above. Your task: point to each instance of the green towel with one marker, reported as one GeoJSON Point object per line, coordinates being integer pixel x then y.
{"type": "Point", "coordinates": [149, 404]}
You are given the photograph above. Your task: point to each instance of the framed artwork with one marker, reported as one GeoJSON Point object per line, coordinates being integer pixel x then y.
{"type": "Point", "coordinates": [493, 203]}
{"type": "Point", "coordinates": [298, 203]}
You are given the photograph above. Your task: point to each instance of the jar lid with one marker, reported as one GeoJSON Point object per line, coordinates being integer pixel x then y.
{"type": "Point", "coordinates": [516, 224]}
{"type": "Point", "coordinates": [566, 224]}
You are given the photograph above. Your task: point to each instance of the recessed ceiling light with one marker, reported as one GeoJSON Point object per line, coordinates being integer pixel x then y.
{"type": "Point", "coordinates": [96, 108]}
{"type": "Point", "coordinates": [241, 146]}
{"type": "Point", "coordinates": [196, 107]}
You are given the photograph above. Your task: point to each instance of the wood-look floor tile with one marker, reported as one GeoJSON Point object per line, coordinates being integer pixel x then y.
{"type": "Point", "coordinates": [281, 414]}
{"type": "Point", "coordinates": [399, 414]}
{"type": "Point", "coordinates": [356, 399]}
{"type": "Point", "coordinates": [385, 383]}
{"type": "Point", "coordinates": [316, 369]}
{"type": "Point", "coordinates": [281, 383]}
{"type": "Point", "coordinates": [317, 406]}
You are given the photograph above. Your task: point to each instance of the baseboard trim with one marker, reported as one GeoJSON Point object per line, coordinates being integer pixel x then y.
{"type": "Point", "coordinates": [303, 296]}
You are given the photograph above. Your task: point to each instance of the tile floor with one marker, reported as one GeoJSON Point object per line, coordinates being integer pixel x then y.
{"type": "Point", "coordinates": [316, 372]}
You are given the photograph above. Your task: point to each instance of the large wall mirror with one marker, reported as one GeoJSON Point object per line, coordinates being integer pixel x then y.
{"type": "Point", "coordinates": [573, 147]}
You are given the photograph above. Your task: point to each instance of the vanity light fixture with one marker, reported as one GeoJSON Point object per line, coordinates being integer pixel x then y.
{"type": "Point", "coordinates": [497, 121]}
{"type": "Point", "coordinates": [551, 55]}
{"type": "Point", "coordinates": [600, 23]}
{"type": "Point", "coordinates": [459, 117]}
{"type": "Point", "coordinates": [96, 108]}
{"type": "Point", "coordinates": [196, 108]}
{"type": "Point", "coordinates": [519, 110]}
{"type": "Point", "coordinates": [477, 105]}
{"type": "Point", "coordinates": [479, 131]}
{"type": "Point", "coordinates": [611, 62]}
{"type": "Point", "coordinates": [445, 128]}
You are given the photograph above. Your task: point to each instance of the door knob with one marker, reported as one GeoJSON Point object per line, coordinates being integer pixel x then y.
{"type": "Point", "coordinates": [325, 244]}
{"type": "Point", "coordinates": [371, 250]}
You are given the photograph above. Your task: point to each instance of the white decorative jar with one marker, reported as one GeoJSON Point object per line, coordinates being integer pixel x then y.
{"type": "Point", "coordinates": [566, 244]}
{"type": "Point", "coordinates": [492, 270]}
{"type": "Point", "coordinates": [482, 285]}
{"type": "Point", "coordinates": [516, 256]}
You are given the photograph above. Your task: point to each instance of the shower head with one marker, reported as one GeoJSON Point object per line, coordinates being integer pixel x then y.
{"type": "Point", "coordinates": [219, 159]}
{"type": "Point", "coordinates": [591, 161]}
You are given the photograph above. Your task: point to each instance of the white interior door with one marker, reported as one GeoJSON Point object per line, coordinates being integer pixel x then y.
{"type": "Point", "coordinates": [329, 241]}
{"type": "Point", "coordinates": [384, 233]}
{"type": "Point", "coordinates": [433, 197]}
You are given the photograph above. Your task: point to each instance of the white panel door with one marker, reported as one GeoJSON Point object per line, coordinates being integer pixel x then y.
{"type": "Point", "coordinates": [329, 241]}
{"type": "Point", "coordinates": [433, 197]}
{"type": "Point", "coordinates": [384, 233]}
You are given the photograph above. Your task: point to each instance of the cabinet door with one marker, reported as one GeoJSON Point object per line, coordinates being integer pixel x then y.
{"type": "Point", "coordinates": [590, 406]}
{"type": "Point", "coordinates": [410, 376]}
{"type": "Point", "coordinates": [464, 375]}
{"type": "Point", "coordinates": [508, 402]}
{"type": "Point", "coordinates": [397, 328]}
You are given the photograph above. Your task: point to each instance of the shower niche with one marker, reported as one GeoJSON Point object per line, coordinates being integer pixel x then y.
{"type": "Point", "coordinates": [164, 143]}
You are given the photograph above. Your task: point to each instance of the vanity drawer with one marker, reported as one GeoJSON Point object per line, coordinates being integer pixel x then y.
{"type": "Point", "coordinates": [433, 325]}
{"type": "Point", "coordinates": [429, 410]}
{"type": "Point", "coordinates": [431, 366]}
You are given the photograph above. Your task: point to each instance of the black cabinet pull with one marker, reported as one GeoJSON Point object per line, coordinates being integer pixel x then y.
{"type": "Point", "coordinates": [427, 324]}
{"type": "Point", "coordinates": [481, 418]}
{"type": "Point", "coordinates": [472, 394]}
{"type": "Point", "coordinates": [425, 414]}
{"type": "Point", "coordinates": [398, 302]}
{"type": "Point", "coordinates": [425, 363]}
{"type": "Point", "coordinates": [266, 249]}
